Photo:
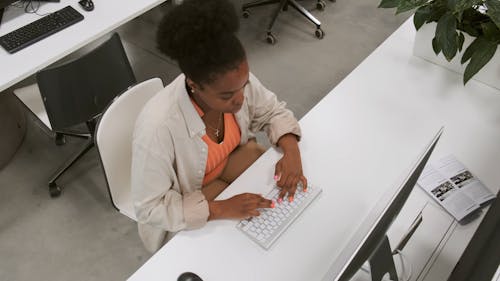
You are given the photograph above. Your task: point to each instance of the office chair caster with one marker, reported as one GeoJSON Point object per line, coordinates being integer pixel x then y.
{"type": "Point", "coordinates": [270, 38]}
{"type": "Point", "coordinates": [54, 190]}
{"type": "Point", "coordinates": [60, 139]}
{"type": "Point", "coordinates": [319, 33]}
{"type": "Point", "coordinates": [320, 5]}
{"type": "Point", "coordinates": [246, 13]}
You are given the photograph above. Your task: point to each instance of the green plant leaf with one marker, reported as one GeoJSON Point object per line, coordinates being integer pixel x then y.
{"type": "Point", "coordinates": [435, 46]}
{"type": "Point", "coordinates": [494, 11]}
{"type": "Point", "coordinates": [461, 39]}
{"type": "Point", "coordinates": [491, 31]}
{"type": "Point", "coordinates": [469, 29]}
{"type": "Point", "coordinates": [446, 35]}
{"type": "Point", "coordinates": [459, 6]}
{"type": "Point", "coordinates": [482, 55]}
{"type": "Point", "coordinates": [470, 50]}
{"type": "Point", "coordinates": [438, 9]}
{"type": "Point", "coordinates": [422, 15]}
{"type": "Point", "coordinates": [389, 3]}
{"type": "Point", "coordinates": [408, 5]}
{"type": "Point", "coordinates": [451, 4]}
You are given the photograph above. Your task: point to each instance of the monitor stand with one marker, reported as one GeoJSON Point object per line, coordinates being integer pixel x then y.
{"type": "Point", "coordinates": [381, 262]}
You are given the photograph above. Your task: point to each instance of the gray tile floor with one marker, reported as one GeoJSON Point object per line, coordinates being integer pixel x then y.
{"type": "Point", "coordinates": [79, 236]}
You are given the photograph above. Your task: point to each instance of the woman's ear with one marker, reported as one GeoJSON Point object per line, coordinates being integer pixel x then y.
{"type": "Point", "coordinates": [192, 85]}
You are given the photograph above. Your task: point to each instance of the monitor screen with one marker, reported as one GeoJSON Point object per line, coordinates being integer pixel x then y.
{"type": "Point", "coordinates": [372, 231]}
{"type": "Point", "coordinates": [3, 5]}
{"type": "Point", "coordinates": [6, 3]}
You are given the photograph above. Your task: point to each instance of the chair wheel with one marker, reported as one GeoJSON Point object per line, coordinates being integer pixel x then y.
{"type": "Point", "coordinates": [319, 33]}
{"type": "Point", "coordinates": [270, 39]}
{"type": "Point", "coordinates": [60, 139]}
{"type": "Point", "coordinates": [54, 190]}
{"type": "Point", "coordinates": [320, 5]}
{"type": "Point", "coordinates": [246, 13]}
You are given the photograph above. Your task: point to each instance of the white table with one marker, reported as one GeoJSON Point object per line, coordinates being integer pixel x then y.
{"type": "Point", "coordinates": [107, 15]}
{"type": "Point", "coordinates": [357, 142]}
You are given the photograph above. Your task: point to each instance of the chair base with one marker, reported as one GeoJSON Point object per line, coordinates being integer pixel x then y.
{"type": "Point", "coordinates": [54, 189]}
{"type": "Point", "coordinates": [283, 6]}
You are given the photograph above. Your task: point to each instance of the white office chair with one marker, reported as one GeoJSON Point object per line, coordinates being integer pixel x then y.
{"type": "Point", "coordinates": [113, 140]}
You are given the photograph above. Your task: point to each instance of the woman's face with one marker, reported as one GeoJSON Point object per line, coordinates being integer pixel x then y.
{"type": "Point", "coordinates": [225, 93]}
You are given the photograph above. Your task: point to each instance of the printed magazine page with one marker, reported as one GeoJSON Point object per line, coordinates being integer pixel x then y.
{"type": "Point", "coordinates": [450, 183]}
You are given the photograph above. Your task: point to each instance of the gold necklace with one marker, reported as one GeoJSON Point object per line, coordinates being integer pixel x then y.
{"type": "Point", "coordinates": [217, 130]}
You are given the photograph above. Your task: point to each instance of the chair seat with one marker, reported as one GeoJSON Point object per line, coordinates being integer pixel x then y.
{"type": "Point", "coordinates": [30, 96]}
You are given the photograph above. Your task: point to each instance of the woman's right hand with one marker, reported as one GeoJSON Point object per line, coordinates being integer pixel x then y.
{"type": "Point", "coordinates": [241, 206]}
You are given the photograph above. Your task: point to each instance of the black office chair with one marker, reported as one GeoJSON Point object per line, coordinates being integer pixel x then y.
{"type": "Point", "coordinates": [283, 6]}
{"type": "Point", "coordinates": [78, 91]}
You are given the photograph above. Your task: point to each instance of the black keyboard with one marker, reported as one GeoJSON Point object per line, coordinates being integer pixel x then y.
{"type": "Point", "coordinates": [39, 29]}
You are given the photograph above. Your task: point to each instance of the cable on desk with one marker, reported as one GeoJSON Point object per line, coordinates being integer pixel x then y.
{"type": "Point", "coordinates": [18, 4]}
{"type": "Point", "coordinates": [29, 7]}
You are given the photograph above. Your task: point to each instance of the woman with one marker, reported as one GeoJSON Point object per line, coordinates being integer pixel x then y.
{"type": "Point", "coordinates": [197, 134]}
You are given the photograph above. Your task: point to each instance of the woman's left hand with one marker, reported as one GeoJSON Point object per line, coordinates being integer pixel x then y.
{"type": "Point", "coordinates": [288, 172]}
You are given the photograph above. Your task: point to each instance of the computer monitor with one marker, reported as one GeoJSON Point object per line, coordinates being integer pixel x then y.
{"type": "Point", "coordinates": [4, 4]}
{"type": "Point", "coordinates": [370, 242]}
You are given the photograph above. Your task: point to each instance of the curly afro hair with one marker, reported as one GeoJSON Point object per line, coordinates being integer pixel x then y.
{"type": "Point", "coordinates": [201, 36]}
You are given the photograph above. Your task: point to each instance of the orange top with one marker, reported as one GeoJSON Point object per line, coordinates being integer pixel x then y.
{"type": "Point", "coordinates": [218, 152]}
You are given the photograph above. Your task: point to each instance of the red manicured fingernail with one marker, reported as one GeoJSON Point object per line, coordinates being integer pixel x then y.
{"type": "Point", "coordinates": [272, 204]}
{"type": "Point", "coordinates": [280, 200]}
{"type": "Point", "coordinates": [290, 199]}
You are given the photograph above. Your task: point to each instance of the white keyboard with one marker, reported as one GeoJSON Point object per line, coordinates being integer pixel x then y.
{"type": "Point", "coordinates": [271, 223]}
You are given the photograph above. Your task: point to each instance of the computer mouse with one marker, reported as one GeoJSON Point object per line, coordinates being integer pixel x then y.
{"type": "Point", "coordinates": [87, 5]}
{"type": "Point", "coordinates": [189, 276]}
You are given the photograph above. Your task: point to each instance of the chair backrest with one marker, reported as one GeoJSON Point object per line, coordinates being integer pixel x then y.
{"type": "Point", "coordinates": [113, 139]}
{"type": "Point", "coordinates": [79, 90]}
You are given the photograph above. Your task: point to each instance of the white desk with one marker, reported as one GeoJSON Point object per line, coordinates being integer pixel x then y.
{"type": "Point", "coordinates": [107, 15]}
{"type": "Point", "coordinates": [357, 142]}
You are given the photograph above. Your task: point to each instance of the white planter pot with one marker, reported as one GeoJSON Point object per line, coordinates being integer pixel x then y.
{"type": "Point", "coordinates": [489, 74]}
